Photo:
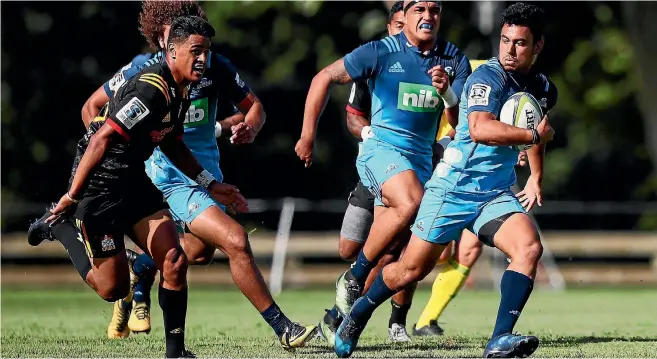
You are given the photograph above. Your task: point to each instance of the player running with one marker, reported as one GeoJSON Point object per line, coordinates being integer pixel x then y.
{"type": "Point", "coordinates": [109, 193]}
{"type": "Point", "coordinates": [471, 188]}
{"type": "Point", "coordinates": [411, 88]}
{"type": "Point", "coordinates": [204, 220]}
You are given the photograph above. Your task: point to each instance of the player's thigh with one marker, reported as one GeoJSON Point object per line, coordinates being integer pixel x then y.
{"type": "Point", "coordinates": [217, 229]}
{"type": "Point", "coordinates": [394, 179]}
{"type": "Point", "coordinates": [157, 232]}
{"type": "Point", "coordinates": [96, 221]}
{"type": "Point", "coordinates": [442, 216]}
{"type": "Point", "coordinates": [357, 220]}
{"type": "Point", "coordinates": [417, 260]}
{"type": "Point", "coordinates": [504, 224]}
{"type": "Point", "coordinates": [197, 251]}
{"type": "Point", "coordinates": [468, 249]}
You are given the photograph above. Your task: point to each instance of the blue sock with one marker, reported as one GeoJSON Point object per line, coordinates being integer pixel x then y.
{"type": "Point", "coordinates": [361, 268]}
{"type": "Point", "coordinates": [375, 296]}
{"type": "Point", "coordinates": [515, 288]}
{"type": "Point", "coordinates": [334, 312]}
{"type": "Point", "coordinates": [145, 269]}
{"type": "Point", "coordinates": [276, 319]}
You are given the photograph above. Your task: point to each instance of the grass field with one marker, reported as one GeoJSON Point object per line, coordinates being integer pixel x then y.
{"type": "Point", "coordinates": [221, 323]}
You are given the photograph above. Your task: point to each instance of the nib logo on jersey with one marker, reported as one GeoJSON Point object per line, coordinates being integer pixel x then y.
{"type": "Point", "coordinates": [197, 113]}
{"type": "Point", "coordinates": [418, 98]}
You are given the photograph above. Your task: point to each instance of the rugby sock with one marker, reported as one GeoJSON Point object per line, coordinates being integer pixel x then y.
{"type": "Point", "coordinates": [361, 268]}
{"type": "Point", "coordinates": [276, 319]}
{"type": "Point", "coordinates": [375, 296]}
{"type": "Point", "coordinates": [334, 312]}
{"type": "Point", "coordinates": [174, 309]}
{"type": "Point", "coordinates": [145, 269]}
{"type": "Point", "coordinates": [67, 234]}
{"type": "Point", "coordinates": [515, 288]}
{"type": "Point", "coordinates": [398, 314]}
{"type": "Point", "coordinates": [448, 282]}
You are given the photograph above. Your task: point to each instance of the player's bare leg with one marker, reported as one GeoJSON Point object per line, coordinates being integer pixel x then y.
{"type": "Point", "coordinates": [157, 233]}
{"type": "Point", "coordinates": [519, 240]}
{"type": "Point", "coordinates": [112, 280]}
{"type": "Point", "coordinates": [218, 230]}
{"type": "Point", "coordinates": [401, 194]}
{"type": "Point", "coordinates": [454, 271]}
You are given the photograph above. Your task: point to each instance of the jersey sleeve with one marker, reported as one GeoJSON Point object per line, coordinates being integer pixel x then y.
{"type": "Point", "coordinates": [360, 101]}
{"type": "Point", "coordinates": [141, 107]}
{"type": "Point", "coordinates": [125, 73]}
{"type": "Point", "coordinates": [552, 96]}
{"type": "Point", "coordinates": [362, 62]}
{"type": "Point", "coordinates": [463, 71]}
{"type": "Point", "coordinates": [483, 91]}
{"type": "Point", "coordinates": [231, 82]}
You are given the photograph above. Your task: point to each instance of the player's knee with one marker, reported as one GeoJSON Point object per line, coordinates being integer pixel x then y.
{"type": "Point", "coordinates": [529, 253]}
{"type": "Point", "coordinates": [348, 249]}
{"type": "Point", "coordinates": [115, 291]}
{"type": "Point", "coordinates": [237, 246]}
{"type": "Point", "coordinates": [413, 273]}
{"type": "Point", "coordinates": [175, 267]}
{"type": "Point", "coordinates": [407, 208]}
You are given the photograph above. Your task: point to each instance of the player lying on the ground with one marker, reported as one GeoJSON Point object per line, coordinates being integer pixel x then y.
{"type": "Point", "coordinates": [109, 194]}
{"type": "Point", "coordinates": [408, 77]}
{"type": "Point", "coordinates": [471, 188]}
{"type": "Point", "coordinates": [203, 218]}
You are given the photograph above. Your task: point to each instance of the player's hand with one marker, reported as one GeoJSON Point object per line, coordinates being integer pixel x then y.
{"type": "Point", "coordinates": [531, 194]}
{"type": "Point", "coordinates": [439, 79]}
{"type": "Point", "coordinates": [64, 205]}
{"type": "Point", "coordinates": [242, 133]}
{"type": "Point", "coordinates": [545, 131]}
{"type": "Point", "coordinates": [304, 150]}
{"type": "Point", "coordinates": [522, 159]}
{"type": "Point", "coordinates": [230, 196]}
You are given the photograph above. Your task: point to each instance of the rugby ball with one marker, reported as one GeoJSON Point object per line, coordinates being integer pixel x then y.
{"type": "Point", "coordinates": [521, 110]}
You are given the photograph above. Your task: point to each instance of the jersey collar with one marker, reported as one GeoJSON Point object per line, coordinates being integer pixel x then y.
{"type": "Point", "coordinates": [416, 49]}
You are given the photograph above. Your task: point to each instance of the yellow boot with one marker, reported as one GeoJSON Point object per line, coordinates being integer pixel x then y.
{"type": "Point", "coordinates": [140, 318]}
{"type": "Point", "coordinates": [118, 326]}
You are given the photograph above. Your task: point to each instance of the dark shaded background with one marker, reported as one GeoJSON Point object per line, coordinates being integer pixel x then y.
{"type": "Point", "coordinates": [55, 54]}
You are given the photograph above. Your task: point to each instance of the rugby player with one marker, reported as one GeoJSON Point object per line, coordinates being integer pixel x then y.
{"type": "Point", "coordinates": [395, 160]}
{"type": "Point", "coordinates": [109, 194]}
{"type": "Point", "coordinates": [471, 188]}
{"type": "Point", "coordinates": [202, 217]}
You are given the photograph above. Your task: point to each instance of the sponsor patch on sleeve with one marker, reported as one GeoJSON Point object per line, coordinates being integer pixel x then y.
{"type": "Point", "coordinates": [133, 112]}
{"type": "Point", "coordinates": [238, 80]}
{"type": "Point", "coordinates": [479, 94]}
{"type": "Point", "coordinates": [116, 81]}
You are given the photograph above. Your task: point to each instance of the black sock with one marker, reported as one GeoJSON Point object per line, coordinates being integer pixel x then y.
{"type": "Point", "coordinates": [276, 319]}
{"type": "Point", "coordinates": [375, 296]}
{"type": "Point", "coordinates": [398, 314]}
{"type": "Point", "coordinates": [174, 309]}
{"type": "Point", "coordinates": [516, 288]}
{"type": "Point", "coordinates": [361, 268]}
{"type": "Point", "coordinates": [67, 234]}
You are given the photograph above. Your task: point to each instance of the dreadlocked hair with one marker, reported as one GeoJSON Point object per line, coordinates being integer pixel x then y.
{"type": "Point", "coordinates": [155, 14]}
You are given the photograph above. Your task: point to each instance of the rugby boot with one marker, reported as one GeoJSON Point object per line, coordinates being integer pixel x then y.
{"type": "Point", "coordinates": [397, 333]}
{"type": "Point", "coordinates": [296, 335]}
{"type": "Point", "coordinates": [511, 346]}
{"type": "Point", "coordinates": [140, 315]}
{"type": "Point", "coordinates": [328, 326]}
{"type": "Point", "coordinates": [118, 326]}
{"type": "Point", "coordinates": [433, 329]}
{"type": "Point", "coordinates": [346, 338]}
{"type": "Point", "coordinates": [39, 230]}
{"type": "Point", "coordinates": [346, 293]}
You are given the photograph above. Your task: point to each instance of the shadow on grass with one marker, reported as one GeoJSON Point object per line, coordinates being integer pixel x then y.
{"type": "Point", "coordinates": [594, 339]}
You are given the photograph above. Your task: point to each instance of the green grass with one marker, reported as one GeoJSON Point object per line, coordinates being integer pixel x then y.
{"type": "Point", "coordinates": [72, 322]}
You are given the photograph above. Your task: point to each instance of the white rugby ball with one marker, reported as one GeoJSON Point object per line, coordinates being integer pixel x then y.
{"type": "Point", "coordinates": [521, 110]}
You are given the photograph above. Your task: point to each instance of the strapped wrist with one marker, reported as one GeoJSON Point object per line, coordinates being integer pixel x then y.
{"type": "Point", "coordinates": [450, 98]}
{"type": "Point", "coordinates": [204, 179]}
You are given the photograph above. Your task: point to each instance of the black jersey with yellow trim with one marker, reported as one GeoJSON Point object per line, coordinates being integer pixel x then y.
{"type": "Point", "coordinates": [148, 109]}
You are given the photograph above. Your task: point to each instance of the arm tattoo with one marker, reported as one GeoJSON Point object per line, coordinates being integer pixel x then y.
{"type": "Point", "coordinates": [337, 72]}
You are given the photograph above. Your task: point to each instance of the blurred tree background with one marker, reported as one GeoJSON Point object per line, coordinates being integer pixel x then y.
{"type": "Point", "coordinates": [55, 54]}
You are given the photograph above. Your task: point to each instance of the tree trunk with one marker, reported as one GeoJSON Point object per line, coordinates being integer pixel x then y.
{"type": "Point", "coordinates": [642, 29]}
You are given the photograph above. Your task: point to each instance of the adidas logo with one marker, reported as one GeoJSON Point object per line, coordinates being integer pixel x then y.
{"type": "Point", "coordinates": [397, 67]}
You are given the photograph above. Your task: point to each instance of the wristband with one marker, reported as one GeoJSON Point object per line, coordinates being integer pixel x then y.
{"type": "Point", "coordinates": [536, 138]}
{"type": "Point", "coordinates": [366, 133]}
{"type": "Point", "coordinates": [217, 130]}
{"type": "Point", "coordinates": [449, 98]}
{"type": "Point", "coordinates": [204, 179]}
{"type": "Point", "coordinates": [71, 198]}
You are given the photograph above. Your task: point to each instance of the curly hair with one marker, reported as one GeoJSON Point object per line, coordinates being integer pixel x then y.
{"type": "Point", "coordinates": [156, 14]}
{"type": "Point", "coordinates": [522, 14]}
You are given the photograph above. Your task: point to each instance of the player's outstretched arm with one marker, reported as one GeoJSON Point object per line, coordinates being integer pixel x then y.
{"type": "Point", "coordinates": [181, 157]}
{"type": "Point", "coordinates": [318, 96]}
{"type": "Point", "coordinates": [94, 104]}
{"type": "Point", "coordinates": [224, 125]}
